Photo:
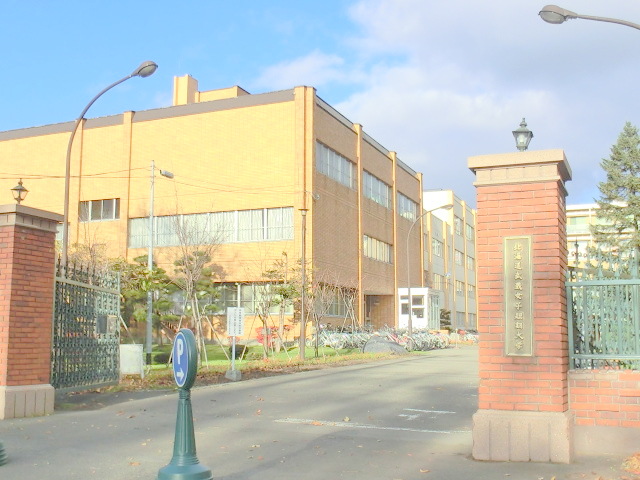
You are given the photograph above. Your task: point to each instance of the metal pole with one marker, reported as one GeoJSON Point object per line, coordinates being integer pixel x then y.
{"type": "Point", "coordinates": [148, 346]}
{"type": "Point", "coordinates": [303, 323]}
{"type": "Point", "coordinates": [144, 70]}
{"type": "Point", "coordinates": [409, 298]}
{"type": "Point", "coordinates": [67, 174]}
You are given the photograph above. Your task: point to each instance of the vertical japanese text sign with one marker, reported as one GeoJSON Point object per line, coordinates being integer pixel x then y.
{"type": "Point", "coordinates": [235, 321]}
{"type": "Point", "coordinates": [518, 296]}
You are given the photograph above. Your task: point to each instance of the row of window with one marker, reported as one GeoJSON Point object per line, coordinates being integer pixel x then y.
{"type": "Point", "coordinates": [376, 190]}
{"type": "Point", "coordinates": [439, 284]}
{"type": "Point", "coordinates": [99, 210]}
{"type": "Point", "coordinates": [264, 224]}
{"type": "Point", "coordinates": [343, 171]}
{"type": "Point", "coordinates": [469, 230]}
{"type": "Point", "coordinates": [377, 250]}
{"type": "Point", "coordinates": [255, 297]}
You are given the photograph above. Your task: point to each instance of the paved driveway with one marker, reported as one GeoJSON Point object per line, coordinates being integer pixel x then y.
{"type": "Point", "coordinates": [402, 419]}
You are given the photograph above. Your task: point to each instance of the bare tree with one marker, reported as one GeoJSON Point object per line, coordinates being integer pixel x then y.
{"type": "Point", "coordinates": [197, 241]}
{"type": "Point", "coordinates": [326, 291]}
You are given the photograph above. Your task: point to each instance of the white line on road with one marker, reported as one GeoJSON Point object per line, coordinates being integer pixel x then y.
{"type": "Point", "coordinates": [426, 411]}
{"type": "Point", "coordinates": [325, 423]}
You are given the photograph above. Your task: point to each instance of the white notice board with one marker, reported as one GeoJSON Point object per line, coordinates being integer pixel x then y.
{"type": "Point", "coordinates": [235, 321]}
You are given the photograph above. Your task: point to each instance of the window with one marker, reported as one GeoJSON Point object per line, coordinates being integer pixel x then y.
{"type": "Point", "coordinates": [407, 208]}
{"type": "Point", "coordinates": [457, 257]}
{"type": "Point", "coordinates": [335, 166]}
{"type": "Point", "coordinates": [457, 225]}
{"type": "Point", "coordinates": [99, 210]}
{"type": "Point", "coordinates": [437, 247]}
{"type": "Point", "coordinates": [470, 231]}
{"type": "Point", "coordinates": [263, 224]}
{"type": "Point", "coordinates": [253, 297]}
{"type": "Point", "coordinates": [377, 249]}
{"type": "Point", "coordinates": [471, 290]}
{"type": "Point", "coordinates": [459, 287]}
{"type": "Point", "coordinates": [472, 320]}
{"type": "Point", "coordinates": [376, 190]}
{"type": "Point", "coordinates": [470, 263]}
{"type": "Point", "coordinates": [438, 281]}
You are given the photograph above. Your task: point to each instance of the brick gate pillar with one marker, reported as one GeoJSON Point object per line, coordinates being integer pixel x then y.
{"type": "Point", "coordinates": [523, 406]}
{"type": "Point", "coordinates": [27, 261]}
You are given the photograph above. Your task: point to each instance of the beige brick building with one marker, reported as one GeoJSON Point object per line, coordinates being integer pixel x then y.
{"type": "Point", "coordinates": [245, 166]}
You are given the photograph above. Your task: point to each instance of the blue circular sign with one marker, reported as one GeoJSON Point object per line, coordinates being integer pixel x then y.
{"type": "Point", "coordinates": [185, 363]}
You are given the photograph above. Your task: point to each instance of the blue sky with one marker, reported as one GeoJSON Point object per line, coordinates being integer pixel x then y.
{"type": "Point", "coordinates": [435, 81]}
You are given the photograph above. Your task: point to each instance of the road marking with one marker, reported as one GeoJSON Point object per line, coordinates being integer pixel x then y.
{"type": "Point", "coordinates": [409, 417]}
{"type": "Point", "coordinates": [426, 411]}
{"type": "Point", "coordinates": [326, 423]}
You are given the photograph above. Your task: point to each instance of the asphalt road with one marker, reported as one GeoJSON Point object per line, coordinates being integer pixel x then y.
{"type": "Point", "coordinates": [409, 418]}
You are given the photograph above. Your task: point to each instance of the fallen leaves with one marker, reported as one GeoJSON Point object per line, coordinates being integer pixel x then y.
{"type": "Point", "coordinates": [632, 464]}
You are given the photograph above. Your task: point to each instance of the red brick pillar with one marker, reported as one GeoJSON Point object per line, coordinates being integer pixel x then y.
{"type": "Point", "coordinates": [523, 407]}
{"type": "Point", "coordinates": [27, 260]}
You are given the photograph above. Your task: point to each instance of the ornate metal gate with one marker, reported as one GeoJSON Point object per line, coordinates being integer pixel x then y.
{"type": "Point", "coordinates": [603, 306]}
{"type": "Point", "coordinates": [86, 334]}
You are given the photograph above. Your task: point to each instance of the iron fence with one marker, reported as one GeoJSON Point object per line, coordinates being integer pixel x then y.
{"type": "Point", "coordinates": [86, 334]}
{"type": "Point", "coordinates": [603, 306]}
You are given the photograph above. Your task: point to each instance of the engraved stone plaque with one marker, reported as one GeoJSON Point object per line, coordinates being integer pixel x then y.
{"type": "Point", "coordinates": [518, 296]}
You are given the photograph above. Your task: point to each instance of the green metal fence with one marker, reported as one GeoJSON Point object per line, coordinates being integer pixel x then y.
{"type": "Point", "coordinates": [603, 306]}
{"type": "Point", "coordinates": [86, 334]}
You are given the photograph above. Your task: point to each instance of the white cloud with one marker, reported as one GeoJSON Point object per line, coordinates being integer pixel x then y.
{"type": "Point", "coordinates": [438, 82]}
{"type": "Point", "coordinates": [315, 69]}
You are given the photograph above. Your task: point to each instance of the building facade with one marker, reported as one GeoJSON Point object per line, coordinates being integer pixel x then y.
{"type": "Point", "coordinates": [253, 174]}
{"type": "Point", "coordinates": [450, 258]}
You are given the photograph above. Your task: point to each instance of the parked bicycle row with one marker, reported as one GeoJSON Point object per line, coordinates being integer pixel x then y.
{"type": "Point", "coordinates": [421, 340]}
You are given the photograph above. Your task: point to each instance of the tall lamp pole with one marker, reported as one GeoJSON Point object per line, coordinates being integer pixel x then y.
{"type": "Point", "coordinates": [557, 15]}
{"type": "Point", "coordinates": [409, 298]}
{"type": "Point", "coordinates": [145, 69]}
{"type": "Point", "coordinates": [149, 331]}
{"type": "Point", "coordinates": [303, 320]}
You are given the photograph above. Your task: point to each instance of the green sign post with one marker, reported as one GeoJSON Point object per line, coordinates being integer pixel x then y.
{"type": "Point", "coordinates": [184, 464]}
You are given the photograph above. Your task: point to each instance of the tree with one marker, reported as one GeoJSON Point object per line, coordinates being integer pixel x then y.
{"type": "Point", "coordinates": [197, 242]}
{"type": "Point", "coordinates": [618, 215]}
{"type": "Point", "coordinates": [135, 282]}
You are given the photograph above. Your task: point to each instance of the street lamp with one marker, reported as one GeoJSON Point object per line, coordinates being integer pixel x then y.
{"type": "Point", "coordinates": [303, 321]}
{"type": "Point", "coordinates": [523, 136]}
{"type": "Point", "coordinates": [557, 15]}
{"type": "Point", "coordinates": [144, 70]}
{"type": "Point", "coordinates": [149, 330]}
{"type": "Point", "coordinates": [19, 192]}
{"type": "Point", "coordinates": [409, 298]}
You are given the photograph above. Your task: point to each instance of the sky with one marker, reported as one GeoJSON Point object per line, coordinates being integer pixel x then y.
{"type": "Point", "coordinates": [434, 81]}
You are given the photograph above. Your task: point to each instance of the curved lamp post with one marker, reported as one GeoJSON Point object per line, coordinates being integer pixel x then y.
{"type": "Point", "coordinates": [556, 15]}
{"type": "Point", "coordinates": [145, 69]}
{"type": "Point", "coordinates": [409, 299]}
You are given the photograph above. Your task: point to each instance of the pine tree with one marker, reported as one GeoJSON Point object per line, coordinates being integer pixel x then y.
{"type": "Point", "coordinates": [618, 215]}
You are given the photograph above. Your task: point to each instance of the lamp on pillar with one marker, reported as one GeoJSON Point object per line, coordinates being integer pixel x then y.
{"type": "Point", "coordinates": [523, 136]}
{"type": "Point", "coordinates": [19, 192]}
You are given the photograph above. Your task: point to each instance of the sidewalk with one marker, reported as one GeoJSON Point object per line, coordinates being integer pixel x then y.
{"type": "Point", "coordinates": [403, 419]}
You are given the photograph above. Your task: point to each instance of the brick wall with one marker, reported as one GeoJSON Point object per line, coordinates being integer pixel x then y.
{"type": "Point", "coordinates": [26, 304]}
{"type": "Point", "coordinates": [608, 398]}
{"type": "Point", "coordinates": [536, 383]}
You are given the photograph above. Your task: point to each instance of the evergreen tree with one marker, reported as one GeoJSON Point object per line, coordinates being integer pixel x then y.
{"type": "Point", "coordinates": [618, 215]}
